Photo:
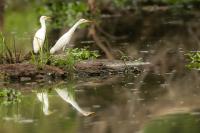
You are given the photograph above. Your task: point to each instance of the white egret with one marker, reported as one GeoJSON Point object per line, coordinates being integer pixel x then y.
{"type": "Point", "coordinates": [38, 40]}
{"type": "Point", "coordinates": [65, 38]}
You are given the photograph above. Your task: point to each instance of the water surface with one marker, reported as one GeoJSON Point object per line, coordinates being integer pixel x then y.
{"type": "Point", "coordinates": [114, 104]}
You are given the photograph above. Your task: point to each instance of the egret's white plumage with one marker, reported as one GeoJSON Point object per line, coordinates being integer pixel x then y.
{"type": "Point", "coordinates": [38, 40]}
{"type": "Point", "coordinates": [65, 38]}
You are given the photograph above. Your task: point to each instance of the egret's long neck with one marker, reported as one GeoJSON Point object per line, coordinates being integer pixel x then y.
{"type": "Point", "coordinates": [73, 28]}
{"type": "Point", "coordinates": [43, 25]}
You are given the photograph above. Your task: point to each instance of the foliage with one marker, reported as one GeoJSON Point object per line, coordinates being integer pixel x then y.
{"type": "Point", "coordinates": [82, 53]}
{"type": "Point", "coordinates": [8, 54]}
{"type": "Point", "coordinates": [41, 59]}
{"type": "Point", "coordinates": [74, 55]}
{"type": "Point", "coordinates": [63, 13]}
{"type": "Point", "coordinates": [194, 58]}
{"type": "Point", "coordinates": [9, 96]}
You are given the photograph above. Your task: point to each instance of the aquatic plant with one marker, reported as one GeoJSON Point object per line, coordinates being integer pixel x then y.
{"type": "Point", "coordinates": [73, 56]}
{"type": "Point", "coordinates": [2, 48]}
{"type": "Point", "coordinates": [194, 60]}
{"type": "Point", "coordinates": [41, 59]}
{"type": "Point", "coordinates": [9, 54]}
{"type": "Point", "coordinates": [9, 96]}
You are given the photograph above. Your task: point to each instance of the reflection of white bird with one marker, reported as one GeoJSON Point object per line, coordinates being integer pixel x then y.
{"type": "Point", "coordinates": [66, 97]}
{"type": "Point", "coordinates": [39, 37]}
{"type": "Point", "coordinates": [43, 98]}
{"type": "Point", "coordinates": [65, 39]}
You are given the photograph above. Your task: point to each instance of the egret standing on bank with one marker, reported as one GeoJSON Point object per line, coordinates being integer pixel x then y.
{"type": "Point", "coordinates": [65, 39]}
{"type": "Point", "coordinates": [38, 40]}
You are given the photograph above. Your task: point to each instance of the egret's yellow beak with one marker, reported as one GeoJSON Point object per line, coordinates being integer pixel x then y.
{"type": "Point", "coordinates": [47, 17]}
{"type": "Point", "coordinates": [89, 21]}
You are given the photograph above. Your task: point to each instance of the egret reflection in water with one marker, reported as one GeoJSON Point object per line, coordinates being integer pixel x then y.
{"type": "Point", "coordinates": [43, 98]}
{"type": "Point", "coordinates": [65, 95]}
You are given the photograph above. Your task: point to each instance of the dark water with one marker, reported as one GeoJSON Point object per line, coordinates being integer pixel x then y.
{"type": "Point", "coordinates": [118, 104]}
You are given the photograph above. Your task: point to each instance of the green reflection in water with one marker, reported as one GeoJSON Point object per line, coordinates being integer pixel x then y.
{"type": "Point", "coordinates": [176, 123]}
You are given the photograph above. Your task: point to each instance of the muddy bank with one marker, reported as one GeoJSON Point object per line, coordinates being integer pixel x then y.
{"type": "Point", "coordinates": [89, 68]}
{"type": "Point", "coordinates": [26, 72]}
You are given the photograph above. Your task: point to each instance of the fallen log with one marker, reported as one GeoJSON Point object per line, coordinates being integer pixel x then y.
{"type": "Point", "coordinates": [108, 67]}
{"type": "Point", "coordinates": [87, 68]}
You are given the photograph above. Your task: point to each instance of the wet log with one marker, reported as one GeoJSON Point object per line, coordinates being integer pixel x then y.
{"type": "Point", "coordinates": [88, 68]}
{"type": "Point", "coordinates": [108, 67]}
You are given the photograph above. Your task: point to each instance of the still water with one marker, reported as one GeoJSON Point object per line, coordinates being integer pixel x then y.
{"type": "Point", "coordinates": [153, 103]}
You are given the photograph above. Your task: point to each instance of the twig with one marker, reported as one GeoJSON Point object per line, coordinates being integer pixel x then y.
{"type": "Point", "coordinates": [92, 32]}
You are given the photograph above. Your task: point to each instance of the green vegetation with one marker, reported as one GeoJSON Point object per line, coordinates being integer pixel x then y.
{"type": "Point", "coordinates": [41, 59]}
{"type": "Point", "coordinates": [9, 96]}
{"type": "Point", "coordinates": [70, 57]}
{"type": "Point", "coordinates": [73, 56]}
{"type": "Point", "coordinates": [8, 52]}
{"type": "Point", "coordinates": [64, 13]}
{"type": "Point", "coordinates": [194, 60]}
{"type": "Point", "coordinates": [2, 48]}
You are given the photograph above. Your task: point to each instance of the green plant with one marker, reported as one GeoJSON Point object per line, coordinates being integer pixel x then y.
{"type": "Point", "coordinates": [2, 48]}
{"type": "Point", "coordinates": [41, 59]}
{"type": "Point", "coordinates": [82, 53]}
{"type": "Point", "coordinates": [9, 96]}
{"type": "Point", "coordinates": [73, 56]}
{"type": "Point", "coordinates": [194, 60]}
{"type": "Point", "coordinates": [9, 54]}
